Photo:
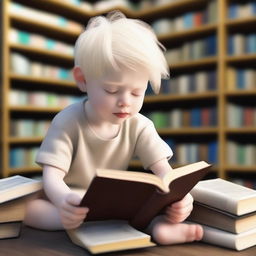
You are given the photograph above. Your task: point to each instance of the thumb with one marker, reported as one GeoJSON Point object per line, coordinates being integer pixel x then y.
{"type": "Point", "coordinates": [73, 199]}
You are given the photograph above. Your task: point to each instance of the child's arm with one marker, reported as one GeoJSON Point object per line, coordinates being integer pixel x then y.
{"type": "Point", "coordinates": [179, 211]}
{"type": "Point", "coordinates": [63, 198]}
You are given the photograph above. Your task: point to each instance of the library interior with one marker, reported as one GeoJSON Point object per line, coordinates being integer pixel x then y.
{"type": "Point", "coordinates": [206, 110]}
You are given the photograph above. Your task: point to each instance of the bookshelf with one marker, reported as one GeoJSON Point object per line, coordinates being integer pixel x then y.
{"type": "Point", "coordinates": [222, 27]}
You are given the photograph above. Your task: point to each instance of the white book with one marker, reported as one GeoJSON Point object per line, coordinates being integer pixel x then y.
{"type": "Point", "coordinates": [17, 186]}
{"type": "Point", "coordinates": [238, 242]}
{"type": "Point", "coordinates": [239, 44]}
{"type": "Point", "coordinates": [107, 236]}
{"type": "Point", "coordinates": [225, 195]}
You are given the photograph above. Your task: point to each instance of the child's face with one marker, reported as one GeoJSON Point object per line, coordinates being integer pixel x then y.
{"type": "Point", "coordinates": [117, 96]}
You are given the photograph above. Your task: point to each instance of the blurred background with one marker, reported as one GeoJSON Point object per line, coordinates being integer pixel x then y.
{"type": "Point", "coordinates": [206, 111]}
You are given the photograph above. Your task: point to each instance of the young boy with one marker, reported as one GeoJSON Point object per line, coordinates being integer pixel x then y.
{"type": "Point", "coordinates": [114, 60]}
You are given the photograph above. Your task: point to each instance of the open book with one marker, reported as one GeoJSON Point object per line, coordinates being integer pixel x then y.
{"type": "Point", "coordinates": [110, 235]}
{"type": "Point", "coordinates": [133, 199]}
{"type": "Point", "coordinates": [136, 196]}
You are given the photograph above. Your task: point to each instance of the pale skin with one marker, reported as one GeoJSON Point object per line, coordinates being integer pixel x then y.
{"type": "Point", "coordinates": [111, 100]}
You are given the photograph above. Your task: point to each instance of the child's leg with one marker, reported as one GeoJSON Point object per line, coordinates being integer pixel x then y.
{"type": "Point", "coordinates": [165, 233]}
{"type": "Point", "coordinates": [42, 214]}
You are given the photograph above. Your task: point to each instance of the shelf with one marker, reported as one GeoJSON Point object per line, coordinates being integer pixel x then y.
{"type": "Point", "coordinates": [240, 168]}
{"type": "Point", "coordinates": [187, 130]}
{"type": "Point", "coordinates": [180, 97]}
{"type": "Point", "coordinates": [218, 99]}
{"type": "Point", "coordinates": [208, 28]}
{"type": "Point", "coordinates": [241, 92]}
{"type": "Point", "coordinates": [231, 23]}
{"type": "Point", "coordinates": [208, 61]}
{"type": "Point", "coordinates": [35, 109]}
{"type": "Point", "coordinates": [40, 26]}
{"type": "Point", "coordinates": [240, 58]}
{"type": "Point", "coordinates": [172, 7]}
{"type": "Point", "coordinates": [25, 170]}
{"type": "Point", "coordinates": [42, 80]}
{"type": "Point", "coordinates": [25, 140]}
{"type": "Point", "coordinates": [42, 52]}
{"type": "Point", "coordinates": [242, 130]}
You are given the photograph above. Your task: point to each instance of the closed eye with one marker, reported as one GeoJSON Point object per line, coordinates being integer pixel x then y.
{"type": "Point", "coordinates": [110, 92]}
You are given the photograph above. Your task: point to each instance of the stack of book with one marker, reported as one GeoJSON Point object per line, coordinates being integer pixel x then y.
{"type": "Point", "coordinates": [227, 212]}
{"type": "Point", "coordinates": [14, 193]}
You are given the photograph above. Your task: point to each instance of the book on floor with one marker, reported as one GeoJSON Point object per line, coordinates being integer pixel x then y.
{"type": "Point", "coordinates": [204, 214]}
{"type": "Point", "coordinates": [226, 196]}
{"type": "Point", "coordinates": [136, 196]}
{"type": "Point", "coordinates": [110, 235]}
{"type": "Point", "coordinates": [10, 229]}
{"type": "Point", "coordinates": [17, 186]}
{"type": "Point", "coordinates": [230, 240]}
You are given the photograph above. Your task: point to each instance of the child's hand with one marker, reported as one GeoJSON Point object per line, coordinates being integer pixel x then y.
{"type": "Point", "coordinates": [72, 216]}
{"type": "Point", "coordinates": [179, 211]}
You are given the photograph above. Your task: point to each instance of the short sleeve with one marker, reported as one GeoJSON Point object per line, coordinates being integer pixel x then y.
{"type": "Point", "coordinates": [56, 148]}
{"type": "Point", "coordinates": [150, 147]}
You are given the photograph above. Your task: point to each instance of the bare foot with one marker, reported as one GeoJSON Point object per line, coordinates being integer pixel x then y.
{"type": "Point", "coordinates": [166, 233]}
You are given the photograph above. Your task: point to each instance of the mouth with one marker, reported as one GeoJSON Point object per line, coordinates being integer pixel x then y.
{"type": "Point", "coordinates": [121, 115]}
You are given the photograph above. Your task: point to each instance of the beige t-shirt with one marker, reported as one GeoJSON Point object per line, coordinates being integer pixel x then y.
{"type": "Point", "coordinates": [71, 145]}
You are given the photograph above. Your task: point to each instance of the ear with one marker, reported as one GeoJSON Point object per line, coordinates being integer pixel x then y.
{"type": "Point", "coordinates": [79, 77]}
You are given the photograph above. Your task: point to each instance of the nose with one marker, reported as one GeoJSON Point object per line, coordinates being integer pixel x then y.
{"type": "Point", "coordinates": [124, 100]}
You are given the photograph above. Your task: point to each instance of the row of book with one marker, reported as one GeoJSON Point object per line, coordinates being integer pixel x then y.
{"type": "Point", "coordinates": [241, 115]}
{"type": "Point", "coordinates": [19, 10]}
{"type": "Point", "coordinates": [39, 41]}
{"type": "Point", "coordinates": [103, 5]}
{"type": "Point", "coordinates": [241, 153]}
{"type": "Point", "coordinates": [188, 20]}
{"type": "Point", "coordinates": [28, 127]}
{"type": "Point", "coordinates": [15, 192]}
{"type": "Point", "coordinates": [177, 118]}
{"type": "Point", "coordinates": [226, 212]}
{"type": "Point", "coordinates": [185, 153]}
{"type": "Point", "coordinates": [22, 157]}
{"type": "Point", "coordinates": [193, 50]}
{"type": "Point", "coordinates": [239, 43]}
{"type": "Point", "coordinates": [197, 82]}
{"type": "Point", "coordinates": [22, 65]}
{"type": "Point", "coordinates": [40, 99]}
{"type": "Point", "coordinates": [242, 9]}
{"type": "Point", "coordinates": [241, 78]}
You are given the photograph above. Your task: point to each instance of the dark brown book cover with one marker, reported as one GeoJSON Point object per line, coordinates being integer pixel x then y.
{"type": "Point", "coordinates": [137, 202]}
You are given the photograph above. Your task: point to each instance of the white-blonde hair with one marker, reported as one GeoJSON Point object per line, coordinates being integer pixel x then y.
{"type": "Point", "coordinates": [115, 40]}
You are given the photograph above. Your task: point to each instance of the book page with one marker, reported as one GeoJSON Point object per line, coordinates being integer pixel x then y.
{"type": "Point", "coordinates": [103, 232]}
{"type": "Point", "coordinates": [11, 182]}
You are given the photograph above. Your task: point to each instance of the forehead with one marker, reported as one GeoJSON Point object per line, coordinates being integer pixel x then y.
{"type": "Point", "coordinates": [126, 77]}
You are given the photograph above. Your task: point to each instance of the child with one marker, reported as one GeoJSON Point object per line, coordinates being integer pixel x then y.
{"type": "Point", "coordinates": [114, 60]}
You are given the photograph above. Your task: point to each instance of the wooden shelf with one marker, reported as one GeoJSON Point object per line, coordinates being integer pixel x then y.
{"type": "Point", "coordinates": [220, 98]}
{"type": "Point", "coordinates": [40, 52]}
{"type": "Point", "coordinates": [35, 109]}
{"type": "Point", "coordinates": [188, 130]}
{"type": "Point", "coordinates": [240, 168]}
{"type": "Point", "coordinates": [241, 58]}
{"type": "Point", "coordinates": [25, 170]}
{"type": "Point", "coordinates": [209, 28]}
{"type": "Point", "coordinates": [241, 130]}
{"type": "Point", "coordinates": [180, 97]}
{"type": "Point", "coordinates": [208, 61]}
{"type": "Point", "coordinates": [24, 140]}
{"type": "Point", "coordinates": [40, 26]}
{"type": "Point", "coordinates": [43, 80]}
